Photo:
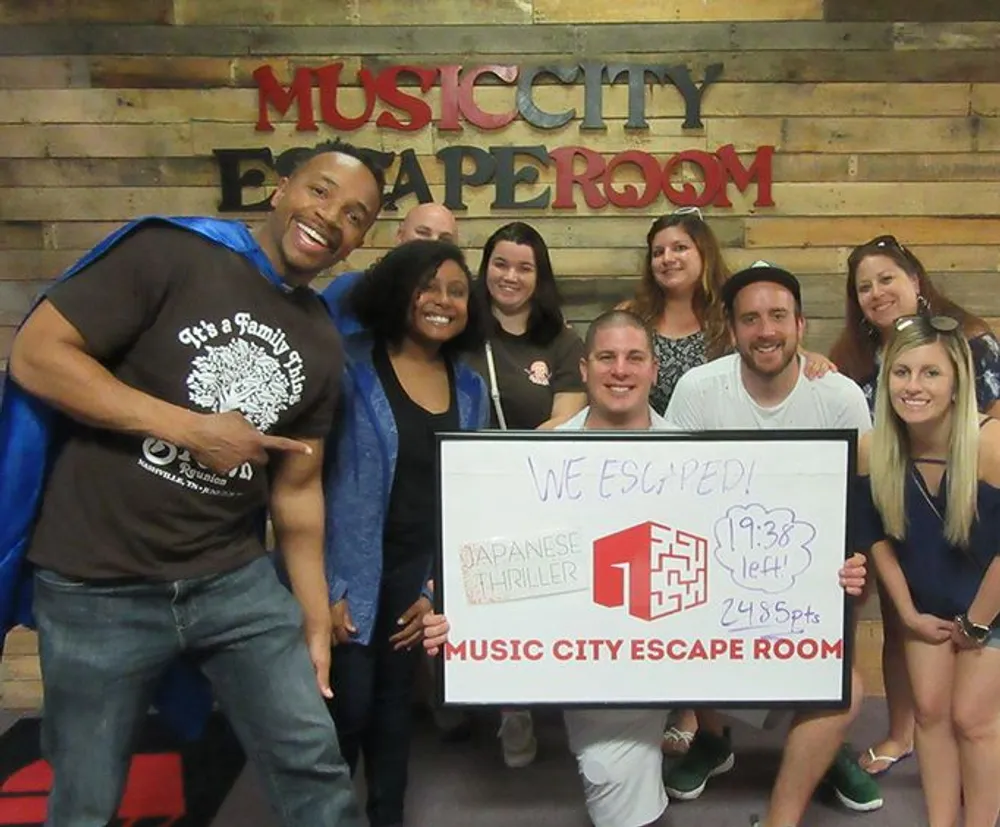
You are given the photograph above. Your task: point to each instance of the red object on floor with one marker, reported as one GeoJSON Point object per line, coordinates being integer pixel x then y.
{"type": "Point", "coordinates": [154, 789]}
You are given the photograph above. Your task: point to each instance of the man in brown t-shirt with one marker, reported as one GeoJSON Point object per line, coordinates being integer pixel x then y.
{"type": "Point", "coordinates": [198, 385]}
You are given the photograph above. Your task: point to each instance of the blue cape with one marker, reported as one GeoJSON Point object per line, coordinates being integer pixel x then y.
{"type": "Point", "coordinates": [29, 434]}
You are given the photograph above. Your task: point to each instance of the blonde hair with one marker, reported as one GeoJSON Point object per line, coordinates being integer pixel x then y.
{"type": "Point", "coordinates": [891, 443]}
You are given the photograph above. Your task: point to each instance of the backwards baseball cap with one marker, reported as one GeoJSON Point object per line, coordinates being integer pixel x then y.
{"type": "Point", "coordinates": [759, 271]}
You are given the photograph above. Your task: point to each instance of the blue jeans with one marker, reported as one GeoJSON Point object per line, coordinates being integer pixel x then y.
{"type": "Point", "coordinates": [103, 649]}
{"type": "Point", "coordinates": [373, 699]}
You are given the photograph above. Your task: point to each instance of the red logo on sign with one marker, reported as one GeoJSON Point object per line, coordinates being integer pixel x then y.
{"type": "Point", "coordinates": [655, 569]}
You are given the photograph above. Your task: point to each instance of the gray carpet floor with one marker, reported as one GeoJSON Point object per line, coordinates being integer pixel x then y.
{"type": "Point", "coordinates": [456, 785]}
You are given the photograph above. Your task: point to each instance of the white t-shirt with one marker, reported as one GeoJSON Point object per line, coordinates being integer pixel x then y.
{"type": "Point", "coordinates": [577, 423]}
{"type": "Point", "coordinates": [618, 751]}
{"type": "Point", "coordinates": [712, 397]}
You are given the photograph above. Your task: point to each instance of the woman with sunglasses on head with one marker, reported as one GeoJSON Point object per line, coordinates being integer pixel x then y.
{"type": "Point", "coordinates": [929, 511]}
{"type": "Point", "coordinates": [678, 296]}
{"type": "Point", "coordinates": [405, 324]}
{"type": "Point", "coordinates": [531, 362]}
{"type": "Point", "coordinates": [885, 282]}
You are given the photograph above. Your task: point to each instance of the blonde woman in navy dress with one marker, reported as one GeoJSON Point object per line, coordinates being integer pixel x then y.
{"type": "Point", "coordinates": [930, 513]}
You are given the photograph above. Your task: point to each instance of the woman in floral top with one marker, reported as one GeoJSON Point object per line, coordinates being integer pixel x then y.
{"type": "Point", "coordinates": [886, 281]}
{"type": "Point", "coordinates": [678, 296]}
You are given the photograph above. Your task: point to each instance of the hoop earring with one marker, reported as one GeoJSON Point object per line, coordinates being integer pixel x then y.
{"type": "Point", "coordinates": [923, 306]}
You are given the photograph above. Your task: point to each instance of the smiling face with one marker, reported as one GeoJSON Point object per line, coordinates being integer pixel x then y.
{"type": "Point", "coordinates": [441, 308]}
{"type": "Point", "coordinates": [885, 291]}
{"type": "Point", "coordinates": [321, 214]}
{"type": "Point", "coordinates": [511, 277]}
{"type": "Point", "coordinates": [619, 372]}
{"type": "Point", "coordinates": [922, 384]}
{"type": "Point", "coordinates": [674, 261]}
{"type": "Point", "coordinates": [766, 330]}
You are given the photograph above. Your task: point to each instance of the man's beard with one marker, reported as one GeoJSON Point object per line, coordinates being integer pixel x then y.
{"type": "Point", "coordinates": [749, 358]}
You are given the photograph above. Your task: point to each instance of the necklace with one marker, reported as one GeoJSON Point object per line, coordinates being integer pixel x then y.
{"type": "Point", "coordinates": [922, 487]}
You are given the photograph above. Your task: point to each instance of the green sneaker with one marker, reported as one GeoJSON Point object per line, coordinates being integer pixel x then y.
{"type": "Point", "coordinates": [708, 756]}
{"type": "Point", "coordinates": [853, 787]}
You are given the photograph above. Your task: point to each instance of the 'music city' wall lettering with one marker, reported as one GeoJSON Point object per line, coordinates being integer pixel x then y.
{"type": "Point", "coordinates": [579, 172]}
{"type": "Point", "coordinates": [458, 98]}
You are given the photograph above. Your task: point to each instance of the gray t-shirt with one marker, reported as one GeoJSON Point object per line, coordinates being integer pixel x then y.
{"type": "Point", "coordinates": [627, 738]}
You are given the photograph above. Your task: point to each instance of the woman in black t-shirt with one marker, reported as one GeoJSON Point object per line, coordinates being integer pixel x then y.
{"type": "Point", "coordinates": [535, 375]}
{"type": "Point", "coordinates": [531, 362]}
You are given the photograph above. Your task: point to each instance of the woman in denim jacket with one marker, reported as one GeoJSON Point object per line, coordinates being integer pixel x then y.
{"type": "Point", "coordinates": [403, 325]}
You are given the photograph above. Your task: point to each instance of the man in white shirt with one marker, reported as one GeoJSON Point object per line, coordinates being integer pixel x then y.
{"type": "Point", "coordinates": [618, 370]}
{"type": "Point", "coordinates": [618, 750]}
{"type": "Point", "coordinates": [763, 386]}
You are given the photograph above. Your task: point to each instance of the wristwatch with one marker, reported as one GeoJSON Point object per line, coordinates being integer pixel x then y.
{"type": "Point", "coordinates": [976, 632]}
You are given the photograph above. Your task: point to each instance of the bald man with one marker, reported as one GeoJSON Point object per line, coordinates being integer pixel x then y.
{"type": "Point", "coordinates": [428, 221]}
{"type": "Point", "coordinates": [425, 221]}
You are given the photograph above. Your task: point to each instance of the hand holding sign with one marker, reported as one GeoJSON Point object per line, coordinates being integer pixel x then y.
{"type": "Point", "coordinates": [764, 551]}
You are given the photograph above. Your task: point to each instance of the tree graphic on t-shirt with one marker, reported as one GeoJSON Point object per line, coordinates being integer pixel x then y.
{"type": "Point", "coordinates": [240, 376]}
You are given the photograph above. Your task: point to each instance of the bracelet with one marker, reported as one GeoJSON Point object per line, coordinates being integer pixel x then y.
{"type": "Point", "coordinates": [976, 632]}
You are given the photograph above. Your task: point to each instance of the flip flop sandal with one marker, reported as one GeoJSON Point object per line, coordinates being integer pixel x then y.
{"type": "Point", "coordinates": [677, 741]}
{"type": "Point", "coordinates": [889, 760]}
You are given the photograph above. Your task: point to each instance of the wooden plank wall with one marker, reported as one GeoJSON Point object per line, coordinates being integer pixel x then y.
{"type": "Point", "coordinates": [885, 118]}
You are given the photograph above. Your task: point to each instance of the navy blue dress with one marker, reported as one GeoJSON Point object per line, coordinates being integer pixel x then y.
{"type": "Point", "coordinates": [943, 579]}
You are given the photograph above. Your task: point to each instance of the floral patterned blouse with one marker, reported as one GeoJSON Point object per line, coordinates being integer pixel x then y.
{"type": "Point", "coordinates": [675, 357]}
{"type": "Point", "coordinates": [986, 361]}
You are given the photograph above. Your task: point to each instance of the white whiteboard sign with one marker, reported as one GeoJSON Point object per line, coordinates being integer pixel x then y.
{"type": "Point", "coordinates": [645, 568]}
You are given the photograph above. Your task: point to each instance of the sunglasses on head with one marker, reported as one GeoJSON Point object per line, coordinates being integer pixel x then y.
{"type": "Point", "coordinates": [689, 211]}
{"type": "Point", "coordinates": [940, 324]}
{"type": "Point", "coordinates": [885, 241]}
{"type": "Point", "coordinates": [882, 242]}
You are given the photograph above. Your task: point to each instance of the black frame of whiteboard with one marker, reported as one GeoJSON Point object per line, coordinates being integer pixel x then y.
{"type": "Point", "coordinates": [850, 437]}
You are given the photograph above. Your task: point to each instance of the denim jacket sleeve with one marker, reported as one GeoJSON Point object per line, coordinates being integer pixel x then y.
{"type": "Point", "coordinates": [336, 584]}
